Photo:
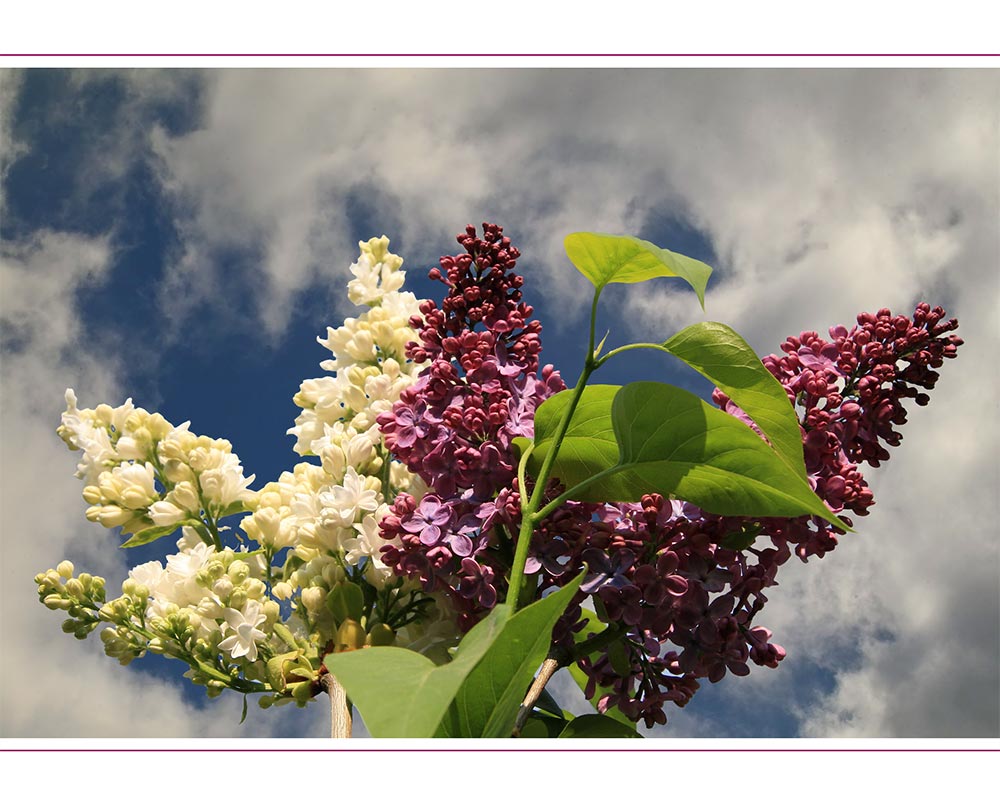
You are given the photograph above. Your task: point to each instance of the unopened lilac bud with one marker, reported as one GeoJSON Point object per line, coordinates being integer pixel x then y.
{"type": "Point", "coordinates": [282, 590]}
{"type": "Point", "coordinates": [313, 599]}
{"type": "Point", "coordinates": [239, 571]}
{"type": "Point", "coordinates": [255, 589]}
{"type": "Point", "coordinates": [92, 495]}
{"type": "Point", "coordinates": [65, 568]}
{"type": "Point", "coordinates": [271, 611]}
{"type": "Point", "coordinates": [223, 588]}
{"type": "Point", "coordinates": [74, 588]}
{"type": "Point", "coordinates": [238, 598]}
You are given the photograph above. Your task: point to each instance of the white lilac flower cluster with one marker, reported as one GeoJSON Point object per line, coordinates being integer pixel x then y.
{"type": "Point", "coordinates": [309, 541]}
{"type": "Point", "coordinates": [141, 471]}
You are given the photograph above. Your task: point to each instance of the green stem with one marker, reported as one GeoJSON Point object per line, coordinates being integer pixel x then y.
{"type": "Point", "coordinates": [572, 493]}
{"type": "Point", "coordinates": [529, 518]}
{"type": "Point", "coordinates": [619, 350]}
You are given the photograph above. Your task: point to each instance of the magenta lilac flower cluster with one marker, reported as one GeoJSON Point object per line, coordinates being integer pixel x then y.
{"type": "Point", "coordinates": [680, 579]}
{"type": "Point", "coordinates": [679, 587]}
{"type": "Point", "coordinates": [455, 425]}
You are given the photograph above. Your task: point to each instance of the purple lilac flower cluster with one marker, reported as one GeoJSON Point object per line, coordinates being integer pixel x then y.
{"type": "Point", "coordinates": [455, 425]}
{"type": "Point", "coordinates": [672, 574]}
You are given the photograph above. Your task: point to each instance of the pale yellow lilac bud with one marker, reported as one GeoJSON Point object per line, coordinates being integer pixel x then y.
{"type": "Point", "coordinates": [282, 590]}
{"type": "Point", "coordinates": [108, 516]}
{"type": "Point", "coordinates": [134, 589]}
{"type": "Point", "coordinates": [239, 571]}
{"type": "Point", "coordinates": [65, 568]}
{"type": "Point", "coordinates": [92, 495]}
{"type": "Point", "coordinates": [271, 611]}
{"type": "Point", "coordinates": [255, 589]}
{"type": "Point", "coordinates": [57, 602]}
{"type": "Point", "coordinates": [158, 427]}
{"type": "Point", "coordinates": [164, 513]}
{"type": "Point", "coordinates": [313, 599]}
{"type": "Point", "coordinates": [157, 645]}
{"type": "Point", "coordinates": [238, 598]}
{"type": "Point", "coordinates": [176, 471]}
{"type": "Point", "coordinates": [185, 496]}
{"type": "Point", "coordinates": [74, 588]}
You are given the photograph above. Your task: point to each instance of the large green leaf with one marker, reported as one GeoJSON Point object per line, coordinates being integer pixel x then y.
{"type": "Point", "coordinates": [605, 259]}
{"type": "Point", "coordinates": [402, 694]}
{"type": "Point", "coordinates": [719, 353]}
{"type": "Point", "coordinates": [487, 703]}
{"type": "Point", "coordinates": [594, 725]}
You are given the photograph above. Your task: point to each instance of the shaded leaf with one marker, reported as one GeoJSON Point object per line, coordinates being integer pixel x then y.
{"type": "Point", "coordinates": [542, 727]}
{"type": "Point", "coordinates": [595, 626]}
{"type": "Point", "coordinates": [594, 725]}
{"type": "Point", "coordinates": [402, 694]}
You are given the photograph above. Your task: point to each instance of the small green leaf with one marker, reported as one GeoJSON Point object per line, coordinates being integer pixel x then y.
{"type": "Point", "coordinates": [402, 694]}
{"type": "Point", "coordinates": [487, 703]}
{"type": "Point", "coordinates": [235, 507]}
{"type": "Point", "coordinates": [618, 655]}
{"type": "Point", "coordinates": [346, 601]}
{"type": "Point", "coordinates": [542, 727]}
{"type": "Point", "coordinates": [244, 716]}
{"type": "Point", "coordinates": [148, 535]}
{"type": "Point", "coordinates": [594, 725]}
{"type": "Point", "coordinates": [605, 259]}
{"type": "Point", "coordinates": [742, 539]}
{"type": "Point", "coordinates": [720, 354]}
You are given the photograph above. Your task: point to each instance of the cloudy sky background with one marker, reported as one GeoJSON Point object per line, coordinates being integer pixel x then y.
{"type": "Point", "coordinates": [181, 237]}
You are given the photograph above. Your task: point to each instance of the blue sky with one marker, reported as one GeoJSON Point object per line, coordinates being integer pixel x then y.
{"type": "Point", "coordinates": [181, 237]}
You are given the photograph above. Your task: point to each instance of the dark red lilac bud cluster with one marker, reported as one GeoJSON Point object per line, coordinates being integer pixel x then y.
{"type": "Point", "coordinates": [673, 574]}
{"type": "Point", "coordinates": [455, 425]}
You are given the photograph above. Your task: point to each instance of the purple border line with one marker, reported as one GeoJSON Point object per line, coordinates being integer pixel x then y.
{"type": "Point", "coordinates": [896, 750]}
{"type": "Point", "coordinates": [496, 55]}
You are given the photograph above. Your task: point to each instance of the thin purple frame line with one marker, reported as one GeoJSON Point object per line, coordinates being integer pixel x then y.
{"type": "Point", "coordinates": [511, 55]}
{"type": "Point", "coordinates": [897, 750]}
